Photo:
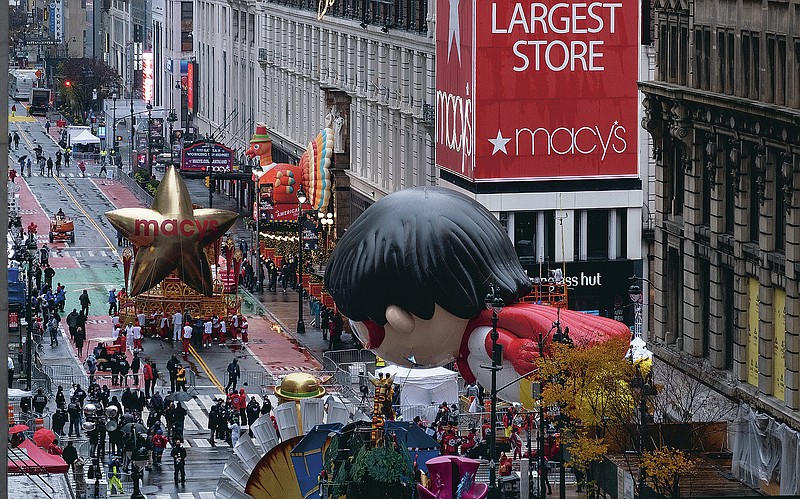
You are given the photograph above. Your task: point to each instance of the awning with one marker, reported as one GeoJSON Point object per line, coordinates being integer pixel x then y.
{"type": "Point", "coordinates": [85, 137]}
{"type": "Point", "coordinates": [30, 459]}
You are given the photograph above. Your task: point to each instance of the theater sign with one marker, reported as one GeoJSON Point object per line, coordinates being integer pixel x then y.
{"type": "Point", "coordinates": [538, 90]}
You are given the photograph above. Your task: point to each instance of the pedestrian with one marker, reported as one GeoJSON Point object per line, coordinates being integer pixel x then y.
{"type": "Point", "coordinates": [112, 301]}
{"type": "Point", "coordinates": [47, 126]}
{"type": "Point", "coordinates": [49, 273]}
{"type": "Point", "coordinates": [69, 454]}
{"type": "Point", "coordinates": [72, 323]}
{"type": "Point", "coordinates": [42, 165]}
{"type": "Point", "coordinates": [39, 401]}
{"type": "Point", "coordinates": [44, 255]}
{"type": "Point", "coordinates": [180, 378]}
{"type": "Point", "coordinates": [13, 114]}
{"type": "Point", "coordinates": [214, 415]}
{"type": "Point", "coordinates": [16, 140]}
{"type": "Point", "coordinates": [243, 326]}
{"type": "Point", "coordinates": [147, 373]}
{"type": "Point", "coordinates": [177, 324]}
{"type": "Point", "coordinates": [187, 336]}
{"type": "Point", "coordinates": [124, 368]}
{"type": "Point", "coordinates": [58, 168]}
{"type": "Point", "coordinates": [82, 167]}
{"type": "Point", "coordinates": [80, 336]}
{"type": "Point", "coordinates": [136, 337]}
{"type": "Point", "coordinates": [242, 406]}
{"type": "Point", "coordinates": [10, 371]}
{"type": "Point", "coordinates": [103, 171]}
{"type": "Point", "coordinates": [172, 370]}
{"type": "Point", "coordinates": [233, 375]}
{"type": "Point", "coordinates": [136, 365]}
{"type": "Point", "coordinates": [29, 163]}
{"type": "Point", "coordinates": [50, 167]}
{"type": "Point", "coordinates": [74, 411]}
{"type": "Point", "coordinates": [235, 430]}
{"type": "Point", "coordinates": [253, 411]}
{"type": "Point", "coordinates": [52, 328]}
{"type": "Point", "coordinates": [85, 302]}
{"type": "Point", "coordinates": [178, 454]}
{"type": "Point", "coordinates": [159, 444]}
{"type": "Point", "coordinates": [91, 366]}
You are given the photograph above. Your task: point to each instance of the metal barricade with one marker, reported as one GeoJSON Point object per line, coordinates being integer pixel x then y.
{"type": "Point", "coordinates": [334, 359]}
{"type": "Point", "coordinates": [136, 189]}
{"type": "Point", "coordinates": [252, 379]}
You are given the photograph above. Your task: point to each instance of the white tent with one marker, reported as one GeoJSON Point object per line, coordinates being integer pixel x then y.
{"type": "Point", "coordinates": [423, 388]}
{"type": "Point", "coordinates": [85, 137]}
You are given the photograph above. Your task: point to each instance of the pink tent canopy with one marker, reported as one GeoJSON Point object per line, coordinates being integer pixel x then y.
{"type": "Point", "coordinates": [28, 458]}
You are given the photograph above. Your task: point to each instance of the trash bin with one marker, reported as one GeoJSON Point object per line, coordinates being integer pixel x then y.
{"type": "Point", "coordinates": [357, 370]}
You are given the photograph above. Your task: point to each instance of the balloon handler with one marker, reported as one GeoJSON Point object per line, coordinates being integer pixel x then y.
{"type": "Point", "coordinates": [412, 273]}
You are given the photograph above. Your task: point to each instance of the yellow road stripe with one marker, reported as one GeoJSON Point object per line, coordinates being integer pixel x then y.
{"type": "Point", "coordinates": [76, 203]}
{"type": "Point", "coordinates": [207, 369]}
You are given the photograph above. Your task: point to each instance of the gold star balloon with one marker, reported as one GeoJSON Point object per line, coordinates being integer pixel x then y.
{"type": "Point", "coordinates": [171, 236]}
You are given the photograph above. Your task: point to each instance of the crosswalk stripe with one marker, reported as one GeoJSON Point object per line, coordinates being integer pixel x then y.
{"type": "Point", "coordinates": [91, 253]}
{"type": "Point", "coordinates": [207, 401]}
{"type": "Point", "coordinates": [78, 254]}
{"type": "Point", "coordinates": [207, 495]}
{"type": "Point", "coordinates": [163, 496]}
{"type": "Point", "coordinates": [185, 495]}
{"type": "Point", "coordinates": [103, 254]}
{"type": "Point", "coordinates": [201, 442]}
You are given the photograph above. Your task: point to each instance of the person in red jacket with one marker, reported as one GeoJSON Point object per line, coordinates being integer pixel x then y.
{"type": "Point", "coordinates": [468, 442]}
{"type": "Point", "coordinates": [147, 372]}
{"type": "Point", "coordinates": [242, 407]}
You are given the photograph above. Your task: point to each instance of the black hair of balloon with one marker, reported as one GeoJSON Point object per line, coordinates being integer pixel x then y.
{"type": "Point", "coordinates": [422, 247]}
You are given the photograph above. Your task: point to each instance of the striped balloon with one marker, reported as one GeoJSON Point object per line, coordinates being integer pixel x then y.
{"type": "Point", "coordinates": [316, 167]}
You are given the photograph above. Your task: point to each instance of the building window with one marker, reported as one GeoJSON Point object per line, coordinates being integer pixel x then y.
{"type": "Point", "coordinates": [702, 45]}
{"type": "Point", "coordinates": [779, 208]}
{"type": "Point", "coordinates": [597, 234]}
{"type": "Point", "coordinates": [251, 29]}
{"type": "Point", "coordinates": [708, 184]}
{"type": "Point", "coordinates": [704, 275]}
{"type": "Point", "coordinates": [621, 233]}
{"type": "Point", "coordinates": [730, 192]}
{"type": "Point", "coordinates": [751, 65]}
{"type": "Point", "coordinates": [728, 311]}
{"type": "Point", "coordinates": [524, 236]}
{"type": "Point", "coordinates": [755, 203]}
{"type": "Point", "coordinates": [776, 53]}
{"type": "Point", "coordinates": [795, 91]}
{"type": "Point", "coordinates": [727, 62]}
{"type": "Point", "coordinates": [674, 290]}
{"type": "Point", "coordinates": [680, 178]}
{"type": "Point", "coordinates": [673, 46]}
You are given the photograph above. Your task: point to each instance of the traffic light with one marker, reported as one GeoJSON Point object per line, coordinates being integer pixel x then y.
{"type": "Point", "coordinates": [67, 83]}
{"type": "Point", "coordinates": [119, 138]}
{"type": "Point", "coordinates": [208, 180]}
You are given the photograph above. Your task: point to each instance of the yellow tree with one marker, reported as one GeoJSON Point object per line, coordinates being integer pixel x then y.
{"type": "Point", "coordinates": [664, 468]}
{"type": "Point", "coordinates": [590, 384]}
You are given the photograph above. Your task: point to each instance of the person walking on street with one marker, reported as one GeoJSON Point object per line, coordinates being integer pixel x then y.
{"type": "Point", "coordinates": [16, 140]}
{"type": "Point", "coordinates": [10, 371]}
{"type": "Point", "coordinates": [172, 369]}
{"type": "Point", "coordinates": [147, 372]}
{"type": "Point", "coordinates": [47, 127]}
{"type": "Point", "coordinates": [58, 166]}
{"type": "Point", "coordinates": [29, 163]}
{"type": "Point", "coordinates": [233, 375]}
{"type": "Point", "coordinates": [177, 324]}
{"type": "Point", "coordinates": [136, 365]}
{"type": "Point", "coordinates": [112, 301]}
{"type": "Point", "coordinates": [85, 302]}
{"type": "Point", "coordinates": [82, 167]}
{"type": "Point", "coordinates": [180, 379]}
{"type": "Point", "coordinates": [187, 336]}
{"type": "Point", "coordinates": [50, 167]}
{"type": "Point", "coordinates": [74, 411]}
{"type": "Point", "coordinates": [214, 416]}
{"type": "Point", "coordinates": [80, 337]}
{"type": "Point", "coordinates": [178, 454]}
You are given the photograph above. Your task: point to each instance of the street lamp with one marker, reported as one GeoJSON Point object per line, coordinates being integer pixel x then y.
{"type": "Point", "coordinates": [139, 458]}
{"type": "Point", "coordinates": [301, 198]}
{"type": "Point", "coordinates": [28, 256]}
{"type": "Point", "coordinates": [635, 294]}
{"type": "Point", "coordinates": [171, 119]}
{"type": "Point", "coordinates": [645, 388]}
{"type": "Point", "coordinates": [114, 127]}
{"type": "Point", "coordinates": [149, 139]}
{"type": "Point", "coordinates": [494, 303]}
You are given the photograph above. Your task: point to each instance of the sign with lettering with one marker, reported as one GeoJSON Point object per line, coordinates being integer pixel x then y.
{"type": "Point", "coordinates": [196, 157]}
{"type": "Point", "coordinates": [536, 91]}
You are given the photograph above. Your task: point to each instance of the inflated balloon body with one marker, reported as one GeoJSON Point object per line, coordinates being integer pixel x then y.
{"type": "Point", "coordinates": [171, 236]}
{"type": "Point", "coordinates": [412, 273]}
{"type": "Point", "coordinates": [313, 172]}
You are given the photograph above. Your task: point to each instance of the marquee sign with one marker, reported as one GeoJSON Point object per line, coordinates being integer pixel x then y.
{"type": "Point", "coordinates": [535, 91]}
{"type": "Point", "coordinates": [195, 157]}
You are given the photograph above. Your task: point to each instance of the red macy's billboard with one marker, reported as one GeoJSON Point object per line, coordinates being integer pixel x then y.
{"type": "Point", "coordinates": [539, 90]}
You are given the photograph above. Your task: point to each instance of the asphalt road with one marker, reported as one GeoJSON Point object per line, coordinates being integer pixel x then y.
{"type": "Point", "coordinates": [93, 263]}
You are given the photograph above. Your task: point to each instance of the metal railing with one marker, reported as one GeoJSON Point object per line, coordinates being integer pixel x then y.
{"type": "Point", "coordinates": [258, 379]}
{"type": "Point", "coordinates": [141, 194]}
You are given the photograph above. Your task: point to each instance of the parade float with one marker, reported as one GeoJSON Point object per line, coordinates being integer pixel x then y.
{"type": "Point", "coordinates": [168, 269]}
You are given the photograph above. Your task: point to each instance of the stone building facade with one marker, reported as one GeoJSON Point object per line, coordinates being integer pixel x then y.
{"type": "Point", "coordinates": [724, 115]}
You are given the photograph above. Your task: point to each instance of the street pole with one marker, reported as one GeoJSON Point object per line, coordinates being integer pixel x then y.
{"type": "Point", "coordinates": [301, 198]}
{"type": "Point", "coordinates": [29, 319]}
{"type": "Point", "coordinates": [495, 303]}
{"type": "Point", "coordinates": [210, 173]}
{"type": "Point", "coordinates": [133, 121]}
{"type": "Point", "coordinates": [542, 460]}
{"type": "Point", "coordinates": [114, 144]}
{"type": "Point", "coordinates": [531, 495]}
{"type": "Point", "coordinates": [149, 158]}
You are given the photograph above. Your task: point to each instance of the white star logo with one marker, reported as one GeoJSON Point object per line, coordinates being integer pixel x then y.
{"type": "Point", "coordinates": [454, 31]}
{"type": "Point", "coordinates": [499, 143]}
